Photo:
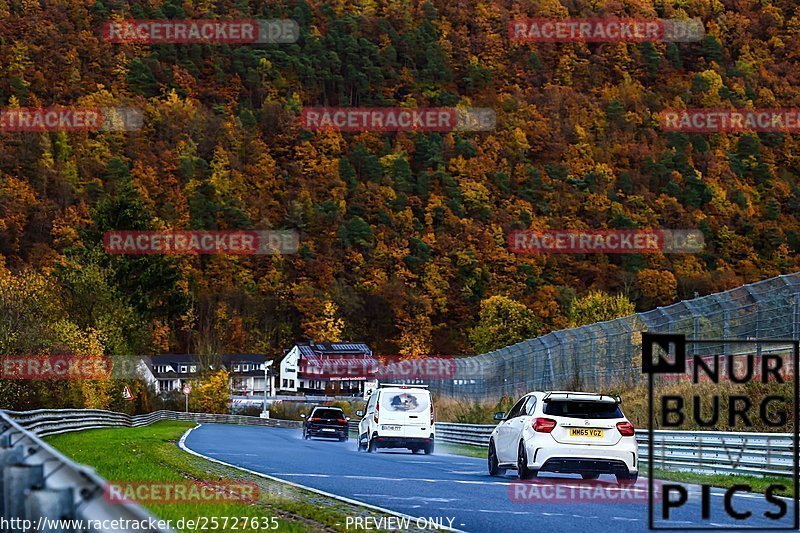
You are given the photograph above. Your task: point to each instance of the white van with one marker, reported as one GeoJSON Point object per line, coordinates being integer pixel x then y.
{"type": "Point", "coordinates": [398, 416]}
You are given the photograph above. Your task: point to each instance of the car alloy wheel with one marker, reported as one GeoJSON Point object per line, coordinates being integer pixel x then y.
{"type": "Point", "coordinates": [522, 464]}
{"type": "Point", "coordinates": [494, 464]}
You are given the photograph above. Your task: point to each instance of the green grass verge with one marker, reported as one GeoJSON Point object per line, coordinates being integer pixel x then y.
{"type": "Point", "coordinates": [757, 483]}
{"type": "Point", "coordinates": [151, 454]}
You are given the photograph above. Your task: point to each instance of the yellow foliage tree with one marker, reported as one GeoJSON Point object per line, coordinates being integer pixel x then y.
{"type": "Point", "coordinates": [210, 393]}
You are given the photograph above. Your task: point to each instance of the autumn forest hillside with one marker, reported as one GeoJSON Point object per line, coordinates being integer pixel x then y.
{"type": "Point", "coordinates": [403, 235]}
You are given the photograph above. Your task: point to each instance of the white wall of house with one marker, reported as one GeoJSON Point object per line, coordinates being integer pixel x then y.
{"type": "Point", "coordinates": [253, 384]}
{"type": "Point", "coordinates": [288, 378]}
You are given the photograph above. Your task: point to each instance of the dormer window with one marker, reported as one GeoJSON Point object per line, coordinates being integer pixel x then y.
{"type": "Point", "coordinates": [184, 368]}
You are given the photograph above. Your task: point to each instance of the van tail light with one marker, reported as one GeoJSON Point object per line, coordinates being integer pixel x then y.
{"type": "Point", "coordinates": [543, 425]}
{"type": "Point", "coordinates": [625, 429]}
{"type": "Point", "coordinates": [314, 419]}
{"type": "Point", "coordinates": [377, 408]}
{"type": "Point", "coordinates": [432, 419]}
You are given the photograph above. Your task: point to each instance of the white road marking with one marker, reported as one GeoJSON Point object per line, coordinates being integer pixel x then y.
{"type": "Point", "coordinates": [382, 478]}
{"type": "Point", "coordinates": [182, 445]}
{"type": "Point", "coordinates": [422, 498]}
{"type": "Point", "coordinates": [625, 519]}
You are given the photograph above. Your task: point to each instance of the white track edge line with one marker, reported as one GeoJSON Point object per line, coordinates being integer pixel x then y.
{"type": "Point", "coordinates": [182, 446]}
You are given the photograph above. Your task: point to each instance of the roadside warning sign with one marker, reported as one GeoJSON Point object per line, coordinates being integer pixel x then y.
{"type": "Point", "coordinates": [187, 389]}
{"type": "Point", "coordinates": [126, 393]}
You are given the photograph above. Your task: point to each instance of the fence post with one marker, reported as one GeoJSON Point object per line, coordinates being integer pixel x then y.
{"type": "Point", "coordinates": [17, 480]}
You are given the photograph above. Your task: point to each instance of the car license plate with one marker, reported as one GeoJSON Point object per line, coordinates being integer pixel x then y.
{"type": "Point", "coordinates": [586, 432]}
{"type": "Point", "coordinates": [328, 429]}
{"type": "Point", "coordinates": [390, 428]}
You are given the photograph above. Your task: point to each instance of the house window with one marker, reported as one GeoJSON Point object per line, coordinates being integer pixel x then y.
{"type": "Point", "coordinates": [235, 368]}
{"type": "Point", "coordinates": [183, 369]}
{"type": "Point", "coordinates": [193, 368]}
{"type": "Point", "coordinates": [165, 384]}
{"type": "Point", "coordinates": [291, 383]}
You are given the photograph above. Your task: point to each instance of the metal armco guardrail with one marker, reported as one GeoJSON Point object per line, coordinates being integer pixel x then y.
{"type": "Point", "coordinates": [39, 484]}
{"type": "Point", "coordinates": [707, 452]}
{"type": "Point", "coordinates": [44, 422]}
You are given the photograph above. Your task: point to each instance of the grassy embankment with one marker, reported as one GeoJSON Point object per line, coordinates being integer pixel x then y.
{"type": "Point", "coordinates": [151, 454]}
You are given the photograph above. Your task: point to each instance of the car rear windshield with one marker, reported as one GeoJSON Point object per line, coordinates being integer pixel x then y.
{"type": "Point", "coordinates": [328, 413]}
{"type": "Point", "coordinates": [592, 410]}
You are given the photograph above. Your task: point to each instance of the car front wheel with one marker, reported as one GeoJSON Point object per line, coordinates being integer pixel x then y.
{"type": "Point", "coordinates": [494, 464]}
{"type": "Point", "coordinates": [522, 464]}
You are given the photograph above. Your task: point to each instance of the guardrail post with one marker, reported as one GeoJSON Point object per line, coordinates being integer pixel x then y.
{"type": "Point", "coordinates": [17, 481]}
{"type": "Point", "coordinates": [53, 504]}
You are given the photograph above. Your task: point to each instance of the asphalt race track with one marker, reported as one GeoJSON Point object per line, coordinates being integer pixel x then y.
{"type": "Point", "coordinates": [456, 487]}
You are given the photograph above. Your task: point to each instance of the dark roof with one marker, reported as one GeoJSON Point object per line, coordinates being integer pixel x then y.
{"type": "Point", "coordinates": [314, 351]}
{"type": "Point", "coordinates": [165, 359]}
{"type": "Point", "coordinates": [228, 360]}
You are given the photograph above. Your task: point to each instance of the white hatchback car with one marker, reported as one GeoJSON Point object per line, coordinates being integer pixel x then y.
{"type": "Point", "coordinates": [567, 432]}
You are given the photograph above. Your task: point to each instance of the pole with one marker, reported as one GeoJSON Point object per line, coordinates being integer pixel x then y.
{"type": "Point", "coordinates": [266, 386]}
{"type": "Point", "coordinates": [187, 403]}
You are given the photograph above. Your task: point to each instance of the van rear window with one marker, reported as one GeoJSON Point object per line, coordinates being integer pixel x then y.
{"type": "Point", "coordinates": [405, 402]}
{"type": "Point", "coordinates": [591, 410]}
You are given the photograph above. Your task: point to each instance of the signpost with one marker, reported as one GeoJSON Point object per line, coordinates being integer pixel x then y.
{"type": "Point", "coordinates": [187, 389]}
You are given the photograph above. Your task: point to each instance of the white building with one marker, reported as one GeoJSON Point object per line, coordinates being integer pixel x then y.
{"type": "Point", "coordinates": [171, 372]}
{"type": "Point", "coordinates": [302, 369]}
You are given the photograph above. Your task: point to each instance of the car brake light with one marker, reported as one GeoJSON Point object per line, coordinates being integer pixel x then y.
{"type": "Point", "coordinates": [314, 419]}
{"type": "Point", "coordinates": [625, 429]}
{"type": "Point", "coordinates": [342, 421]}
{"type": "Point", "coordinates": [543, 425]}
{"type": "Point", "coordinates": [377, 408]}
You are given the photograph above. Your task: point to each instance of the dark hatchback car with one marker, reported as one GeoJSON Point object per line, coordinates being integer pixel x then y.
{"type": "Point", "coordinates": [328, 422]}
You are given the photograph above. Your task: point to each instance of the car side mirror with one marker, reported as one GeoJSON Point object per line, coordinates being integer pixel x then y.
{"type": "Point", "coordinates": [302, 416]}
{"type": "Point", "coordinates": [499, 415]}
{"type": "Point", "coordinates": [359, 413]}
